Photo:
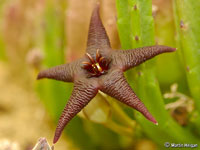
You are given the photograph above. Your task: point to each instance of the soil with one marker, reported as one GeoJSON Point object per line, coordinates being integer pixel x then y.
{"type": "Point", "coordinates": [23, 119]}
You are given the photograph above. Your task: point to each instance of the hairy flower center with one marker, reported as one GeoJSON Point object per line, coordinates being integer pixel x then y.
{"type": "Point", "coordinates": [96, 67]}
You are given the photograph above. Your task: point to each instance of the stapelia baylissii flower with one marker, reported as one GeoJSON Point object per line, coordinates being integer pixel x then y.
{"type": "Point", "coordinates": [101, 68]}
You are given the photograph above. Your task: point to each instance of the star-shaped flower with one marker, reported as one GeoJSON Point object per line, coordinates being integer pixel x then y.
{"type": "Point", "coordinates": [100, 69]}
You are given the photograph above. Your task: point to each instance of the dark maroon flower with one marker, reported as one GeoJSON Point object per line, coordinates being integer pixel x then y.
{"type": "Point", "coordinates": [101, 69]}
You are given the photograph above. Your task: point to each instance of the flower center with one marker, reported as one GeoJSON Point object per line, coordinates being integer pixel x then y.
{"type": "Point", "coordinates": [96, 67]}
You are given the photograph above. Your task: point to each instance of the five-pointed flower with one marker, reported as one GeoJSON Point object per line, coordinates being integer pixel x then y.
{"type": "Point", "coordinates": [100, 69]}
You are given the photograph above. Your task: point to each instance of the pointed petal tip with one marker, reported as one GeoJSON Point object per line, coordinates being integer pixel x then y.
{"type": "Point", "coordinates": [55, 139]}
{"type": "Point", "coordinates": [153, 120]}
{"type": "Point", "coordinates": [170, 49]}
{"type": "Point", "coordinates": [167, 48]}
{"type": "Point", "coordinates": [97, 6]}
{"type": "Point", "coordinates": [174, 49]}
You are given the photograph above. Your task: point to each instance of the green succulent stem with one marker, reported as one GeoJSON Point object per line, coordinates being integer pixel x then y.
{"type": "Point", "coordinates": [187, 40]}
{"type": "Point", "coordinates": [135, 18]}
{"type": "Point", "coordinates": [187, 21]}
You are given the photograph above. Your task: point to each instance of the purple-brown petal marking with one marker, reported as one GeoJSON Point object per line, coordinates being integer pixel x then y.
{"type": "Point", "coordinates": [116, 86]}
{"type": "Point", "coordinates": [82, 93]}
{"type": "Point", "coordinates": [61, 72]}
{"type": "Point", "coordinates": [131, 58]}
{"type": "Point", "coordinates": [97, 36]}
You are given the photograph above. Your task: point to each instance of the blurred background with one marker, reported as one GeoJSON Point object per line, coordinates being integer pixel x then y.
{"type": "Point", "coordinates": [38, 34]}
